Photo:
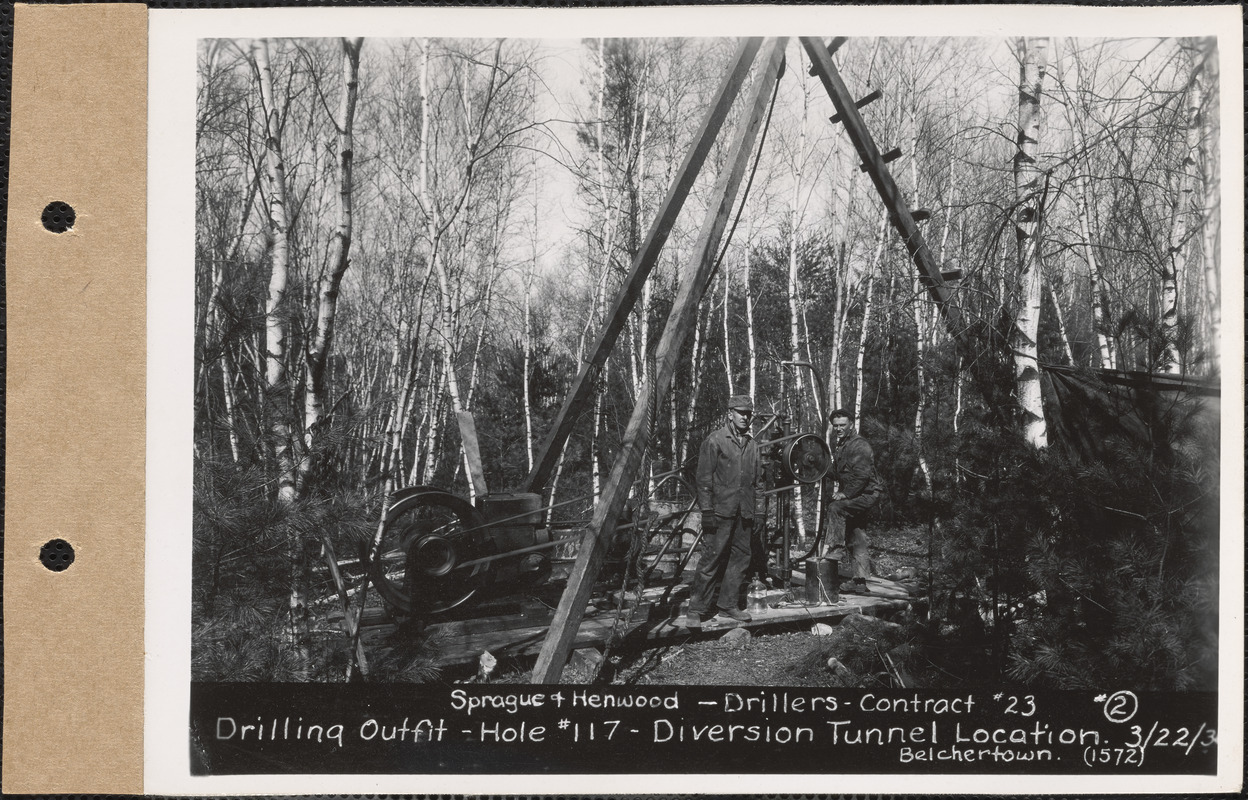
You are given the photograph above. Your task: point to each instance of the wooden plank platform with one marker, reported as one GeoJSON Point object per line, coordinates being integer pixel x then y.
{"type": "Point", "coordinates": [595, 631]}
{"type": "Point", "coordinates": [521, 634]}
{"type": "Point", "coordinates": [788, 614]}
{"type": "Point", "coordinates": [880, 587]}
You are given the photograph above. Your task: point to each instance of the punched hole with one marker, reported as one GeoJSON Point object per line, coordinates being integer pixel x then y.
{"type": "Point", "coordinates": [57, 555]}
{"type": "Point", "coordinates": [58, 217]}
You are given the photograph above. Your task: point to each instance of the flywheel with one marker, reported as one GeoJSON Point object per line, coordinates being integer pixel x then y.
{"type": "Point", "coordinates": [806, 459]}
{"type": "Point", "coordinates": [427, 534]}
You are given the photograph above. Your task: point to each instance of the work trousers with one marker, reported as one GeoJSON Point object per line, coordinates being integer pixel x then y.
{"type": "Point", "coordinates": [845, 529]}
{"type": "Point", "coordinates": [721, 564]}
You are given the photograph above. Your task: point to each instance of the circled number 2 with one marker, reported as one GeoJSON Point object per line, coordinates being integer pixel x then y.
{"type": "Point", "coordinates": [1121, 706]}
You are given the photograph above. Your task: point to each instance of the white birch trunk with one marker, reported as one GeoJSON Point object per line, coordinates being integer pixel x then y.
{"type": "Point", "coordinates": [214, 331]}
{"type": "Point", "coordinates": [643, 313]}
{"type": "Point", "coordinates": [1061, 325]}
{"type": "Point", "coordinates": [433, 403]}
{"type": "Point", "coordinates": [227, 387]}
{"type": "Point", "coordinates": [329, 285]}
{"type": "Point", "coordinates": [474, 374]}
{"type": "Point", "coordinates": [595, 465]}
{"type": "Point", "coordinates": [1170, 270]}
{"type": "Point", "coordinates": [396, 384]}
{"type": "Point", "coordinates": [675, 429]}
{"type": "Point", "coordinates": [527, 335]}
{"type": "Point", "coordinates": [1208, 157]}
{"type": "Point", "coordinates": [727, 340]}
{"type": "Point", "coordinates": [1028, 185]}
{"type": "Point", "coordinates": [608, 231]}
{"type": "Point", "coordinates": [921, 383]}
{"type": "Point", "coordinates": [276, 389]}
{"type": "Point", "coordinates": [957, 398]}
{"type": "Point", "coordinates": [1184, 191]}
{"type": "Point", "coordinates": [749, 308]}
{"type": "Point", "coordinates": [410, 376]}
{"type": "Point", "coordinates": [957, 415]}
{"type": "Point", "coordinates": [695, 379]}
{"type": "Point", "coordinates": [638, 327]}
{"type": "Point", "coordinates": [792, 292]}
{"type": "Point", "coordinates": [794, 341]}
{"type": "Point", "coordinates": [275, 307]}
{"type": "Point", "coordinates": [867, 306]}
{"type": "Point", "coordinates": [917, 303]}
{"type": "Point", "coordinates": [449, 318]}
{"type": "Point", "coordinates": [429, 457]}
{"type": "Point", "coordinates": [810, 359]}
{"type": "Point", "coordinates": [839, 306]}
{"type": "Point", "coordinates": [842, 302]}
{"type": "Point", "coordinates": [403, 409]}
{"type": "Point", "coordinates": [1098, 290]}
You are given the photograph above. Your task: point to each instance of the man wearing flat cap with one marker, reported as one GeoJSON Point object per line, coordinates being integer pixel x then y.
{"type": "Point", "coordinates": [729, 483]}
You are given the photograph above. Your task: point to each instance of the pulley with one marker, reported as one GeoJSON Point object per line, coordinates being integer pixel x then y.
{"type": "Point", "coordinates": [427, 534]}
{"type": "Point", "coordinates": [805, 458]}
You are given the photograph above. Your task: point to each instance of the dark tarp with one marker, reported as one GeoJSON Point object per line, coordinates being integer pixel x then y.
{"type": "Point", "coordinates": [1085, 408]}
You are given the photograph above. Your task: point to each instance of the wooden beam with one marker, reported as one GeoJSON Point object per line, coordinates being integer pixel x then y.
{"type": "Point", "coordinates": [582, 386]}
{"type": "Point", "coordinates": [885, 158]}
{"type": "Point", "coordinates": [833, 45]}
{"type": "Point", "coordinates": [472, 451]}
{"type": "Point", "coordinates": [683, 316]}
{"type": "Point", "coordinates": [865, 101]}
{"type": "Point", "coordinates": [875, 165]}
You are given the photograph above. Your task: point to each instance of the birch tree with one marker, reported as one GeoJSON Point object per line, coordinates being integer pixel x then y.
{"type": "Point", "coordinates": [1184, 182]}
{"type": "Point", "coordinates": [329, 284]}
{"type": "Point", "coordinates": [1028, 186]}
{"type": "Point", "coordinates": [275, 312]}
{"type": "Point", "coordinates": [1209, 158]}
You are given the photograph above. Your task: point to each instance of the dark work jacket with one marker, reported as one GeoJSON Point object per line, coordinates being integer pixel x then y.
{"type": "Point", "coordinates": [730, 474]}
{"type": "Point", "coordinates": [853, 468]}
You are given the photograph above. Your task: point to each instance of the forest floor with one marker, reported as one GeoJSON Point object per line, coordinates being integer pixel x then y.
{"type": "Point", "coordinates": [783, 658]}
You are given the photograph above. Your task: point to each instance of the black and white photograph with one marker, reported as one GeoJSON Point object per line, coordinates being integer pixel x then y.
{"type": "Point", "coordinates": [613, 401]}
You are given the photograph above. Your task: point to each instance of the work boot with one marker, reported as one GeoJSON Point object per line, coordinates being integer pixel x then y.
{"type": "Point", "coordinates": [856, 586]}
{"type": "Point", "coordinates": [694, 620]}
{"type": "Point", "coordinates": [735, 613]}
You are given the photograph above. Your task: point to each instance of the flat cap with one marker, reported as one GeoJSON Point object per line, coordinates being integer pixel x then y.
{"type": "Point", "coordinates": [741, 402]}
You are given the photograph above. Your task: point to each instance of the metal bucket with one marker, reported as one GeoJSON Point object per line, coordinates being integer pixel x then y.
{"type": "Point", "coordinates": [821, 581]}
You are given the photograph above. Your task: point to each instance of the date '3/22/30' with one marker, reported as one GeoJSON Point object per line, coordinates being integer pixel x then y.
{"type": "Point", "coordinates": [1202, 737]}
{"type": "Point", "coordinates": [1133, 753]}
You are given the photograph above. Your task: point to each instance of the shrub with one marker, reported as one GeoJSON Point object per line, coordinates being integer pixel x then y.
{"type": "Point", "coordinates": [1081, 570]}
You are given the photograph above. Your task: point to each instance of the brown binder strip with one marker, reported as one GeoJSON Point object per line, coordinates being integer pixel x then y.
{"type": "Point", "coordinates": [73, 644]}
